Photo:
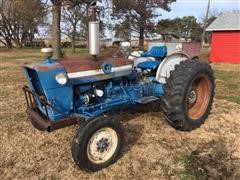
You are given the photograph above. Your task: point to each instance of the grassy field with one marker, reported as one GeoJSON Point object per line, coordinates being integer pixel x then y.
{"type": "Point", "coordinates": [152, 150]}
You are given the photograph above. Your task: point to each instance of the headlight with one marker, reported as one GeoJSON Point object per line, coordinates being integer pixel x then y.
{"type": "Point", "coordinates": [61, 78]}
{"type": "Point", "coordinates": [179, 47]}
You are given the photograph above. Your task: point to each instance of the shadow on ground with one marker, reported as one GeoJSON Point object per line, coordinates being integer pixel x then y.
{"type": "Point", "coordinates": [211, 160]}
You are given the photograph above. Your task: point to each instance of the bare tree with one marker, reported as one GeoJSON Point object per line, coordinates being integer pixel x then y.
{"type": "Point", "coordinates": [205, 22]}
{"type": "Point", "coordinates": [212, 15]}
{"type": "Point", "coordinates": [56, 15]}
{"type": "Point", "coordinates": [5, 31]}
{"type": "Point", "coordinates": [72, 17]}
{"type": "Point", "coordinates": [19, 20]}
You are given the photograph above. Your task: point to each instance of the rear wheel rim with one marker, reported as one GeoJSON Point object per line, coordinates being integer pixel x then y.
{"type": "Point", "coordinates": [198, 97]}
{"type": "Point", "coordinates": [102, 145]}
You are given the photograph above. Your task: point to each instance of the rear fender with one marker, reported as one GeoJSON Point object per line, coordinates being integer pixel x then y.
{"type": "Point", "coordinates": [168, 65]}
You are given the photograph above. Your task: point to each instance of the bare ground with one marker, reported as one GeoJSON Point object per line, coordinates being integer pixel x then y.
{"type": "Point", "coordinates": [152, 150]}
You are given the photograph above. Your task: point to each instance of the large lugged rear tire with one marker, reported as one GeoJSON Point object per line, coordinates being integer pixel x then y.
{"type": "Point", "coordinates": [189, 93]}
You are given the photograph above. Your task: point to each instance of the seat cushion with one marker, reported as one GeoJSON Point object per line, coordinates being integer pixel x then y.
{"type": "Point", "coordinates": [156, 51]}
{"type": "Point", "coordinates": [153, 65]}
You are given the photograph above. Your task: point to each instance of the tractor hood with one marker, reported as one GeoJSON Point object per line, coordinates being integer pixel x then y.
{"type": "Point", "coordinates": [44, 73]}
{"type": "Point", "coordinates": [44, 66]}
{"type": "Point", "coordinates": [80, 70]}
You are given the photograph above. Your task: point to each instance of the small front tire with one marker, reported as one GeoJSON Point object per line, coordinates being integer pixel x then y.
{"type": "Point", "coordinates": [97, 144]}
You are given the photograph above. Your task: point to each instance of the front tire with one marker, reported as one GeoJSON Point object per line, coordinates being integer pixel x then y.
{"type": "Point", "coordinates": [189, 93]}
{"type": "Point", "coordinates": [97, 144]}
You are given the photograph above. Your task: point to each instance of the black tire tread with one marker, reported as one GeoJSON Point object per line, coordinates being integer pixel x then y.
{"type": "Point", "coordinates": [175, 88]}
{"type": "Point", "coordinates": [82, 136]}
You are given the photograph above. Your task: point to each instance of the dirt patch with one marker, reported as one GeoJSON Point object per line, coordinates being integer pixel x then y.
{"type": "Point", "coordinates": [153, 149]}
{"type": "Point", "coordinates": [226, 67]}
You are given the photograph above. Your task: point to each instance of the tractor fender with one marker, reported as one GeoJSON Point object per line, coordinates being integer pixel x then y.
{"type": "Point", "coordinates": [168, 65]}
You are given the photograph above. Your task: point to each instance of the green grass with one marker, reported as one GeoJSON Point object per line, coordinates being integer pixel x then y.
{"type": "Point", "coordinates": [191, 167]}
{"type": "Point", "coordinates": [228, 85]}
{"type": "Point", "coordinates": [69, 52]}
{"type": "Point", "coordinates": [205, 53]}
{"type": "Point", "coordinates": [227, 82]}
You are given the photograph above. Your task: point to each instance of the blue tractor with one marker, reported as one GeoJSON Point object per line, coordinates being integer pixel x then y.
{"type": "Point", "coordinates": [89, 90]}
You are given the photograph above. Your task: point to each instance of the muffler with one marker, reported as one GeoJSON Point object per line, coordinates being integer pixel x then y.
{"type": "Point", "coordinates": [94, 34]}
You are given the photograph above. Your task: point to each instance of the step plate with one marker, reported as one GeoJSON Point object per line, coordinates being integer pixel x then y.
{"type": "Point", "coordinates": [148, 99]}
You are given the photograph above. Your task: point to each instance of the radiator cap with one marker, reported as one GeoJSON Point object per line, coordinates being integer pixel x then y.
{"type": "Point", "coordinates": [48, 52]}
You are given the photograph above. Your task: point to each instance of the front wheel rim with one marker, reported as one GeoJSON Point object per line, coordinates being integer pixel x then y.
{"type": "Point", "coordinates": [102, 145]}
{"type": "Point", "coordinates": [198, 97]}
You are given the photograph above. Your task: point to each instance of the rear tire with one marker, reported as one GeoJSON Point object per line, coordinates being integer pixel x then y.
{"type": "Point", "coordinates": [188, 96]}
{"type": "Point", "coordinates": [97, 144]}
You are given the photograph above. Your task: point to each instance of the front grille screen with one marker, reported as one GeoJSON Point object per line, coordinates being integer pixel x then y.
{"type": "Point", "coordinates": [35, 82]}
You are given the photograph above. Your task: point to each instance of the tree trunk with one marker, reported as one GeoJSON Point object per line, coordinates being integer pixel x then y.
{"type": "Point", "coordinates": [205, 23]}
{"type": "Point", "coordinates": [73, 40]}
{"type": "Point", "coordinates": [141, 39]}
{"type": "Point", "coordinates": [73, 43]}
{"type": "Point", "coordinates": [56, 36]}
{"type": "Point", "coordinates": [87, 26]}
{"type": "Point", "coordinates": [18, 44]}
{"type": "Point", "coordinates": [7, 42]}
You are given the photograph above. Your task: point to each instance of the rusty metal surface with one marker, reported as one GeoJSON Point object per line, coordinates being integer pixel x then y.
{"type": "Point", "coordinates": [31, 101]}
{"type": "Point", "coordinates": [48, 68]}
{"type": "Point", "coordinates": [41, 67]}
{"type": "Point", "coordinates": [193, 49]}
{"type": "Point", "coordinates": [90, 63]}
{"type": "Point", "coordinates": [42, 122]}
{"type": "Point", "coordinates": [64, 123]}
{"type": "Point", "coordinates": [37, 120]}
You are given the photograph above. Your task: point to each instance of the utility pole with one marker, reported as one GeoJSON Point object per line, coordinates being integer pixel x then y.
{"type": "Point", "coordinates": [205, 23]}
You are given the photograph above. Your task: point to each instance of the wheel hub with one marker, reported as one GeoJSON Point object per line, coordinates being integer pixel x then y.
{"type": "Point", "coordinates": [102, 145]}
{"type": "Point", "coordinates": [192, 98]}
{"type": "Point", "coordinates": [198, 98]}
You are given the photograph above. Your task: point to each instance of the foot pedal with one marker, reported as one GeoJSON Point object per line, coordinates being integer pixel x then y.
{"type": "Point", "coordinates": [148, 99]}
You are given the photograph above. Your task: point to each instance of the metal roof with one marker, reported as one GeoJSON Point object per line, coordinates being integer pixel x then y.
{"type": "Point", "coordinates": [229, 21]}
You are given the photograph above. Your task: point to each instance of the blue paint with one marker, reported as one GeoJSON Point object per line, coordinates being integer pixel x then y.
{"type": "Point", "coordinates": [107, 68]}
{"type": "Point", "coordinates": [49, 62]}
{"type": "Point", "coordinates": [119, 92]}
{"type": "Point", "coordinates": [153, 65]}
{"type": "Point", "coordinates": [44, 84]}
{"type": "Point", "coordinates": [117, 97]}
{"type": "Point", "coordinates": [156, 52]}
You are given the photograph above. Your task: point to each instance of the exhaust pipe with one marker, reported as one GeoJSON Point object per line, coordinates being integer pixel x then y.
{"type": "Point", "coordinates": [94, 34]}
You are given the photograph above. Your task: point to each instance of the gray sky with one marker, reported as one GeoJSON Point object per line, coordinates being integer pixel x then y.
{"type": "Point", "coordinates": [198, 8]}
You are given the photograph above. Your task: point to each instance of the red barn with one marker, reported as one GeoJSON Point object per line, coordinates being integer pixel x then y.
{"type": "Point", "coordinates": [225, 45]}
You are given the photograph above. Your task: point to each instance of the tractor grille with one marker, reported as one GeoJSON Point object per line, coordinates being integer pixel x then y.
{"type": "Point", "coordinates": [35, 81]}
{"type": "Point", "coordinates": [33, 100]}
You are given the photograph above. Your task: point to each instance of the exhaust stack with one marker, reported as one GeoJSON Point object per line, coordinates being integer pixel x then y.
{"type": "Point", "coordinates": [94, 34]}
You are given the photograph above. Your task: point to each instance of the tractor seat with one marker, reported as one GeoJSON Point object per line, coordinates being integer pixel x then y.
{"type": "Point", "coordinates": [156, 52]}
{"type": "Point", "coordinates": [152, 65]}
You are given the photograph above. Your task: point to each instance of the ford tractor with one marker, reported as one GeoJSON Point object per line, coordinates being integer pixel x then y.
{"type": "Point", "coordinates": [87, 91]}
